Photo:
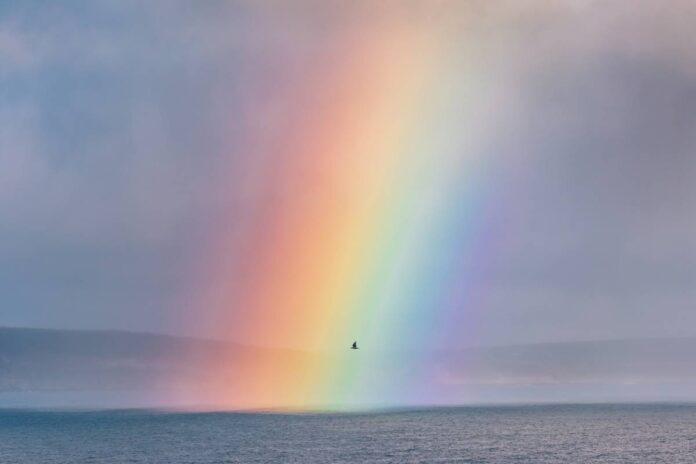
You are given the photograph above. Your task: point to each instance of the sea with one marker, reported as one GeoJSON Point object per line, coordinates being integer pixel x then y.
{"type": "Point", "coordinates": [534, 434]}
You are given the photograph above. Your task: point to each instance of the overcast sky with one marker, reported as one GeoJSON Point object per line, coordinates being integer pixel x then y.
{"type": "Point", "coordinates": [116, 116]}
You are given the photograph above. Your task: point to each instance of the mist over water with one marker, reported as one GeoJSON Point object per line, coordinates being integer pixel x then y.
{"type": "Point", "coordinates": [70, 369]}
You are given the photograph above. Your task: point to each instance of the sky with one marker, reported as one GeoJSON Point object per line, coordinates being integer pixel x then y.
{"type": "Point", "coordinates": [138, 140]}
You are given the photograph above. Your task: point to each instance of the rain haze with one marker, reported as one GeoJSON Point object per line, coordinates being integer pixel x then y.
{"type": "Point", "coordinates": [139, 143]}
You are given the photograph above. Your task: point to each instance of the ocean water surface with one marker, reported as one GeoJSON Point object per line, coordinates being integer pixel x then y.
{"type": "Point", "coordinates": [659, 433]}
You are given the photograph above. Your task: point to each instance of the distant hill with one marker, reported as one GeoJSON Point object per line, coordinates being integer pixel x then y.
{"type": "Point", "coordinates": [610, 370]}
{"type": "Point", "coordinates": [73, 361]}
{"type": "Point", "coordinates": [40, 359]}
{"type": "Point", "coordinates": [670, 359]}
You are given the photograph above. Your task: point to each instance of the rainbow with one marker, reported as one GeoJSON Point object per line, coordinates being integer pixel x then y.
{"type": "Point", "coordinates": [357, 212]}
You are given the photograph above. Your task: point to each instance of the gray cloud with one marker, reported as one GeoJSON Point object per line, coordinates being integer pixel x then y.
{"type": "Point", "coordinates": [115, 119]}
